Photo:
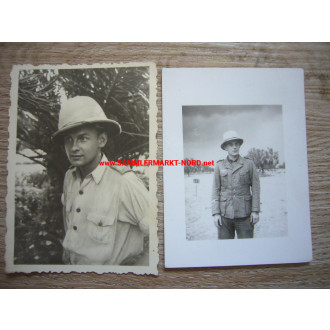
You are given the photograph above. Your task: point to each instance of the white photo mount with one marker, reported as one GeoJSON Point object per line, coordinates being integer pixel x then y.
{"type": "Point", "coordinates": [240, 87]}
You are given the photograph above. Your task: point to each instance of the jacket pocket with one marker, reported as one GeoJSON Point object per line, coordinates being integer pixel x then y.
{"type": "Point", "coordinates": [248, 204]}
{"type": "Point", "coordinates": [244, 177]}
{"type": "Point", "coordinates": [223, 205]}
{"type": "Point", "coordinates": [224, 178]}
{"type": "Point", "coordinates": [101, 228]}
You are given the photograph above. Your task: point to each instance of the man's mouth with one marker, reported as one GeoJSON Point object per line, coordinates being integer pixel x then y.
{"type": "Point", "coordinates": [75, 157]}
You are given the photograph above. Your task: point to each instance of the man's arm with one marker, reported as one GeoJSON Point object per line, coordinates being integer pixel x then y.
{"type": "Point", "coordinates": [216, 197]}
{"type": "Point", "coordinates": [65, 254]}
{"type": "Point", "coordinates": [64, 218]}
{"type": "Point", "coordinates": [64, 201]}
{"type": "Point", "coordinates": [134, 202]}
{"type": "Point", "coordinates": [255, 190]}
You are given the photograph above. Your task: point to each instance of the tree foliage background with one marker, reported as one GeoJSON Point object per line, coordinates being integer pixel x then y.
{"type": "Point", "coordinates": [264, 159]}
{"type": "Point", "coordinates": [123, 93]}
{"type": "Point", "coordinates": [195, 169]}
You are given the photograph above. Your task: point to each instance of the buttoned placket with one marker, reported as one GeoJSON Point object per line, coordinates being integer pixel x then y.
{"type": "Point", "coordinates": [232, 167]}
{"type": "Point", "coordinates": [77, 207]}
{"type": "Point", "coordinates": [78, 211]}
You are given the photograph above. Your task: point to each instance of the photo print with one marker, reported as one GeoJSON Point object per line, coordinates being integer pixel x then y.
{"type": "Point", "coordinates": [70, 206]}
{"type": "Point", "coordinates": [260, 127]}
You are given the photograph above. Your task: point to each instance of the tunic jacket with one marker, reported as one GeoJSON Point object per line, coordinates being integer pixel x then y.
{"type": "Point", "coordinates": [236, 188]}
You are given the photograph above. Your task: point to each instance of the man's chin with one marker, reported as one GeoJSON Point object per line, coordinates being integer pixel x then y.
{"type": "Point", "coordinates": [76, 162]}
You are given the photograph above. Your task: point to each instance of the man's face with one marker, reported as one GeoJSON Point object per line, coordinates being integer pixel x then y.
{"type": "Point", "coordinates": [83, 147]}
{"type": "Point", "coordinates": [232, 148]}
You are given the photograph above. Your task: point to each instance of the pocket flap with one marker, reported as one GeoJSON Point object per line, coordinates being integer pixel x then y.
{"type": "Point", "coordinates": [101, 220]}
{"type": "Point", "coordinates": [244, 173]}
{"type": "Point", "coordinates": [248, 198]}
{"type": "Point", "coordinates": [223, 172]}
{"type": "Point", "coordinates": [223, 199]}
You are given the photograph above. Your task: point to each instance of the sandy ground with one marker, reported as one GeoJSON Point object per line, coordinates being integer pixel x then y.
{"type": "Point", "coordinates": [199, 222]}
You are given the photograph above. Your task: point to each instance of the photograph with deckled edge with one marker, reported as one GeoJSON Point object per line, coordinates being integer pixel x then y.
{"type": "Point", "coordinates": [70, 208]}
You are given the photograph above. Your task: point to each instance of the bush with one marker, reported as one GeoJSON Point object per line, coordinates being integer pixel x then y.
{"type": "Point", "coordinates": [38, 223]}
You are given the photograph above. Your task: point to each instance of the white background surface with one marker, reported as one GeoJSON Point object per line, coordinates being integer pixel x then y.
{"type": "Point", "coordinates": [236, 87]}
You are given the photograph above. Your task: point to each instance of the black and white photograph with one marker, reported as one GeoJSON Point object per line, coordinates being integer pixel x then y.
{"type": "Point", "coordinates": [245, 190]}
{"type": "Point", "coordinates": [77, 199]}
{"type": "Point", "coordinates": [240, 196]}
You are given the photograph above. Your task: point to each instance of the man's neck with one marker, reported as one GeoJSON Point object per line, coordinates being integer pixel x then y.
{"type": "Point", "coordinates": [233, 158]}
{"type": "Point", "coordinates": [84, 171]}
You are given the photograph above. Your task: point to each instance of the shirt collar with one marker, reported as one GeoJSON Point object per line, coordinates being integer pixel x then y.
{"type": "Point", "coordinates": [238, 160]}
{"type": "Point", "coordinates": [97, 173]}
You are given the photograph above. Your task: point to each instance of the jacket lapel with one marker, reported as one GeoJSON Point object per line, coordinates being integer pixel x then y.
{"type": "Point", "coordinates": [238, 164]}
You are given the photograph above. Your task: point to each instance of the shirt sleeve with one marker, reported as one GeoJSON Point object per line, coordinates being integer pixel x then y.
{"type": "Point", "coordinates": [216, 191]}
{"type": "Point", "coordinates": [134, 202]}
{"type": "Point", "coordinates": [64, 201]}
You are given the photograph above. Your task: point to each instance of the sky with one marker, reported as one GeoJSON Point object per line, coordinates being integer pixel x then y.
{"type": "Point", "coordinates": [260, 126]}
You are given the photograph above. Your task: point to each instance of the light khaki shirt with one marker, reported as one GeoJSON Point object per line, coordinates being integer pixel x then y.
{"type": "Point", "coordinates": [103, 215]}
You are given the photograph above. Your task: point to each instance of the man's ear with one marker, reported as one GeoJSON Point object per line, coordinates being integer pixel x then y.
{"type": "Point", "coordinates": [102, 138]}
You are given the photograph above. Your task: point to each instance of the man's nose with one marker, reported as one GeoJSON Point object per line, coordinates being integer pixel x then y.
{"type": "Point", "coordinates": [74, 145]}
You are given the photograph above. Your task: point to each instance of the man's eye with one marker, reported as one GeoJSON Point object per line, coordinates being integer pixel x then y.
{"type": "Point", "coordinates": [83, 138]}
{"type": "Point", "coordinates": [67, 140]}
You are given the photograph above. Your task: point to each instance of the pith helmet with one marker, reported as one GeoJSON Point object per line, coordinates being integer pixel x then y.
{"type": "Point", "coordinates": [82, 110]}
{"type": "Point", "coordinates": [230, 136]}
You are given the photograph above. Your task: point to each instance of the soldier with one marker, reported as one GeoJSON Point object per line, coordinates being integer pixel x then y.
{"type": "Point", "coordinates": [104, 207]}
{"type": "Point", "coordinates": [236, 191]}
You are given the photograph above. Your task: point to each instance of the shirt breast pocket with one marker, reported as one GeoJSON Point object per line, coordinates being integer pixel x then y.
{"type": "Point", "coordinates": [101, 228]}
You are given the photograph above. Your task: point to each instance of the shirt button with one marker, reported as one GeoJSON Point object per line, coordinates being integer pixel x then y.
{"type": "Point", "coordinates": [80, 192]}
{"type": "Point", "coordinates": [78, 209]}
{"type": "Point", "coordinates": [75, 228]}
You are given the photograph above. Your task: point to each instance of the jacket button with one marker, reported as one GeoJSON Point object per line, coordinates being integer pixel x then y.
{"type": "Point", "coordinates": [80, 192]}
{"type": "Point", "coordinates": [100, 223]}
{"type": "Point", "coordinates": [75, 228]}
{"type": "Point", "coordinates": [78, 210]}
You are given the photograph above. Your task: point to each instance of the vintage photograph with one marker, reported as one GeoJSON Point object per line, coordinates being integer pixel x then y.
{"type": "Point", "coordinates": [245, 190]}
{"type": "Point", "coordinates": [239, 195]}
{"type": "Point", "coordinates": [75, 201]}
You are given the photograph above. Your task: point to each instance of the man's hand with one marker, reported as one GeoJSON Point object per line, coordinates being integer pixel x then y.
{"type": "Point", "coordinates": [217, 220]}
{"type": "Point", "coordinates": [254, 218]}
